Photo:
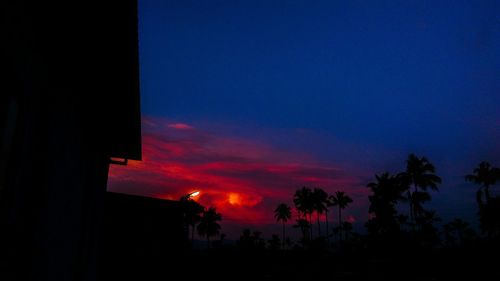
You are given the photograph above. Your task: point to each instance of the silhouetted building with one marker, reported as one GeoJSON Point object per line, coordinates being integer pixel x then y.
{"type": "Point", "coordinates": [69, 101]}
{"type": "Point", "coordinates": [139, 233]}
{"type": "Point", "coordinates": [145, 224]}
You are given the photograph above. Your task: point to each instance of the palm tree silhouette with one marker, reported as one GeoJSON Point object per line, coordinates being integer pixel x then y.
{"type": "Point", "coordinates": [419, 174]}
{"type": "Point", "coordinates": [274, 242]}
{"type": "Point", "coordinates": [457, 226]}
{"type": "Point", "coordinates": [418, 198]}
{"type": "Point", "coordinates": [320, 199]}
{"type": "Point", "coordinates": [328, 205]}
{"type": "Point", "coordinates": [283, 213]}
{"type": "Point", "coordinates": [208, 225]}
{"type": "Point", "coordinates": [484, 175]}
{"type": "Point", "coordinates": [347, 229]}
{"type": "Point", "coordinates": [489, 208]}
{"type": "Point", "coordinates": [341, 200]}
{"type": "Point", "coordinates": [304, 226]}
{"type": "Point", "coordinates": [304, 203]}
{"type": "Point", "coordinates": [428, 233]}
{"type": "Point", "coordinates": [192, 213]}
{"type": "Point", "coordinates": [387, 191]}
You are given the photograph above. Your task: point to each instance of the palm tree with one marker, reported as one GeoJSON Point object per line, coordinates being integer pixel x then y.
{"type": "Point", "coordinates": [484, 175]}
{"type": "Point", "coordinates": [328, 205]}
{"type": "Point", "coordinates": [489, 209]}
{"type": "Point", "coordinates": [274, 242]}
{"type": "Point", "coordinates": [387, 191]}
{"type": "Point", "coordinates": [208, 225]}
{"type": "Point", "coordinates": [304, 225]}
{"type": "Point", "coordinates": [341, 200]}
{"type": "Point", "coordinates": [347, 229]}
{"type": "Point", "coordinates": [283, 213]}
{"type": "Point", "coordinates": [419, 174]}
{"type": "Point", "coordinates": [459, 227]}
{"type": "Point", "coordinates": [192, 214]}
{"type": "Point", "coordinates": [320, 199]}
{"type": "Point", "coordinates": [303, 201]}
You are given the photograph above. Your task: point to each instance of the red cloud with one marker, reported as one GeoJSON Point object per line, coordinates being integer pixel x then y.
{"type": "Point", "coordinates": [180, 126]}
{"type": "Point", "coordinates": [244, 179]}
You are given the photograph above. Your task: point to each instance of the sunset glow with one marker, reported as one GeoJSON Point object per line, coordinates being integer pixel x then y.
{"type": "Point", "coordinates": [234, 199]}
{"type": "Point", "coordinates": [243, 178]}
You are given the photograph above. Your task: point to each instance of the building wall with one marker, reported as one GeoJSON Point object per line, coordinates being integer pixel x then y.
{"type": "Point", "coordinates": [69, 101]}
{"type": "Point", "coordinates": [141, 235]}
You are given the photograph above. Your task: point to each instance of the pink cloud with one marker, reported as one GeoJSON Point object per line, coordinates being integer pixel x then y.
{"type": "Point", "coordinates": [180, 126]}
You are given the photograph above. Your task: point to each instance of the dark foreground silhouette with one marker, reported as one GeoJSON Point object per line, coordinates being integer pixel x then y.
{"type": "Point", "coordinates": [146, 238]}
{"type": "Point", "coordinates": [70, 101]}
{"type": "Point", "coordinates": [231, 263]}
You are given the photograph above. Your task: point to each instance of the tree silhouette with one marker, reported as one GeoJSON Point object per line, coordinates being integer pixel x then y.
{"type": "Point", "coordinates": [328, 205]}
{"type": "Point", "coordinates": [209, 226]}
{"type": "Point", "coordinates": [320, 199]}
{"type": "Point", "coordinates": [341, 200]}
{"type": "Point", "coordinates": [303, 200]}
{"type": "Point", "coordinates": [347, 229]}
{"type": "Point", "coordinates": [387, 190]}
{"type": "Point", "coordinates": [419, 174]}
{"type": "Point", "coordinates": [486, 176]}
{"type": "Point", "coordinates": [304, 226]}
{"type": "Point", "coordinates": [455, 231]}
{"type": "Point", "coordinates": [252, 240]}
{"type": "Point", "coordinates": [192, 213]}
{"type": "Point", "coordinates": [274, 242]}
{"type": "Point", "coordinates": [283, 213]}
{"type": "Point", "coordinates": [428, 234]}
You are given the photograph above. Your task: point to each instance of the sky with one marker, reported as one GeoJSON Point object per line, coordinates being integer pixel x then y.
{"type": "Point", "coordinates": [248, 101]}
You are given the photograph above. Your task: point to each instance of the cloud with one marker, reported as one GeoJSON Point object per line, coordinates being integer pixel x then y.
{"type": "Point", "coordinates": [243, 178]}
{"type": "Point", "coordinates": [180, 126]}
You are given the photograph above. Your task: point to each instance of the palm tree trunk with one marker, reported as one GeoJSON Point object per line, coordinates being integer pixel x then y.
{"type": "Point", "coordinates": [326, 223]}
{"type": "Point", "coordinates": [283, 240]}
{"type": "Point", "coordinates": [310, 225]}
{"type": "Point", "coordinates": [340, 223]}
{"type": "Point", "coordinates": [414, 225]}
{"type": "Point", "coordinates": [319, 226]}
{"type": "Point", "coordinates": [487, 193]}
{"type": "Point", "coordinates": [411, 206]}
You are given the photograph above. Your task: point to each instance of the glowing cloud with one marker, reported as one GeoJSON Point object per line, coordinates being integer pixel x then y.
{"type": "Point", "coordinates": [242, 178]}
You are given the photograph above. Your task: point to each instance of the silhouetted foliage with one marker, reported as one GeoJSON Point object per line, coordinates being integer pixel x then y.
{"type": "Point", "coordinates": [486, 176]}
{"type": "Point", "coordinates": [283, 213]}
{"type": "Point", "coordinates": [419, 176]}
{"type": "Point", "coordinates": [386, 191]}
{"type": "Point", "coordinates": [457, 232]}
{"type": "Point", "coordinates": [341, 200]}
{"type": "Point", "coordinates": [209, 226]}
{"type": "Point", "coordinates": [347, 229]}
{"type": "Point", "coordinates": [428, 233]}
{"type": "Point", "coordinates": [251, 240]}
{"type": "Point", "coordinates": [304, 203]}
{"type": "Point", "coordinates": [192, 213]}
{"type": "Point", "coordinates": [320, 200]}
{"type": "Point", "coordinates": [274, 243]}
{"type": "Point", "coordinates": [304, 226]}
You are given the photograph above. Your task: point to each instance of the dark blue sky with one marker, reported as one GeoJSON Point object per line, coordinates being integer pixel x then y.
{"type": "Point", "coordinates": [398, 73]}
{"type": "Point", "coordinates": [361, 83]}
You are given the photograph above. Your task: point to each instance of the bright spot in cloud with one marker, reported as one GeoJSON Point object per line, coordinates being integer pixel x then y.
{"type": "Point", "coordinates": [234, 199]}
